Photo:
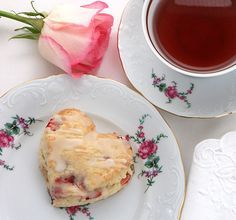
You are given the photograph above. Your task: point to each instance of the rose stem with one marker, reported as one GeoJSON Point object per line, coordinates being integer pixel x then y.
{"type": "Point", "coordinates": [37, 23]}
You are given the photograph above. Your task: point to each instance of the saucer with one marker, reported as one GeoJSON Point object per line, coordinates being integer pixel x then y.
{"type": "Point", "coordinates": [165, 88]}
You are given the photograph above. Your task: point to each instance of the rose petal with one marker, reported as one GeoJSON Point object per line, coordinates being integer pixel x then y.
{"type": "Point", "coordinates": [93, 54]}
{"type": "Point", "coordinates": [78, 69]}
{"type": "Point", "coordinates": [54, 52]}
{"type": "Point", "coordinates": [96, 5]}
{"type": "Point", "coordinates": [74, 14]}
{"type": "Point", "coordinates": [73, 38]}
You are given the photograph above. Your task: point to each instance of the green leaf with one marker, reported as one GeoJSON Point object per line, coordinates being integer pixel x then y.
{"type": "Point", "coordinates": [8, 126]}
{"type": "Point", "coordinates": [142, 173]}
{"type": "Point", "coordinates": [15, 118]}
{"type": "Point", "coordinates": [7, 167]}
{"type": "Point", "coordinates": [30, 29]}
{"type": "Point", "coordinates": [16, 130]}
{"type": "Point", "coordinates": [30, 36]}
{"type": "Point", "coordinates": [148, 164]}
{"type": "Point", "coordinates": [31, 120]}
{"type": "Point", "coordinates": [150, 182]}
{"type": "Point", "coordinates": [150, 157]}
{"type": "Point", "coordinates": [135, 159]}
{"type": "Point", "coordinates": [162, 87]}
{"type": "Point", "coordinates": [137, 141]}
{"type": "Point", "coordinates": [31, 14]}
{"type": "Point", "coordinates": [9, 132]}
{"type": "Point", "coordinates": [141, 121]}
{"type": "Point", "coordinates": [18, 147]}
{"type": "Point", "coordinates": [156, 160]}
{"type": "Point", "coordinates": [188, 104]}
{"type": "Point", "coordinates": [192, 86]}
{"type": "Point", "coordinates": [158, 138]}
{"type": "Point", "coordinates": [0, 151]}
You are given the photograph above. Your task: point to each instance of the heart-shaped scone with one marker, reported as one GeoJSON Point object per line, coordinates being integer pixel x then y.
{"type": "Point", "coordinates": [80, 165]}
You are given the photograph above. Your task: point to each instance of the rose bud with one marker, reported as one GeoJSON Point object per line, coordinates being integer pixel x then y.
{"type": "Point", "coordinates": [72, 37]}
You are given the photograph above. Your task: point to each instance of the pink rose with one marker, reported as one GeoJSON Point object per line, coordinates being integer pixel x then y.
{"type": "Point", "coordinates": [127, 137]}
{"type": "Point", "coordinates": [5, 139]}
{"type": "Point", "coordinates": [189, 91]}
{"type": "Point", "coordinates": [75, 38]}
{"type": "Point", "coordinates": [141, 135]}
{"type": "Point", "coordinates": [147, 148]}
{"type": "Point", "coordinates": [72, 37]}
{"type": "Point", "coordinates": [171, 92]}
{"type": "Point", "coordinates": [2, 162]}
{"type": "Point", "coordinates": [84, 210]}
{"type": "Point", "coordinates": [72, 210]}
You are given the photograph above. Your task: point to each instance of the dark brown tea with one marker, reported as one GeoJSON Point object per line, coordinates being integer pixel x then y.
{"type": "Point", "coordinates": [197, 34]}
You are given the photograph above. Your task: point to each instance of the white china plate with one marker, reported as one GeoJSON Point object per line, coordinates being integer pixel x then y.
{"type": "Point", "coordinates": [179, 94]}
{"type": "Point", "coordinates": [113, 107]}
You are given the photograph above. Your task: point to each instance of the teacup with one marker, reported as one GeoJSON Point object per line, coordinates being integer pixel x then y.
{"type": "Point", "coordinates": [193, 37]}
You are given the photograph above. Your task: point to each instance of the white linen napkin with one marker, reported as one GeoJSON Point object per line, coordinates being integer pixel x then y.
{"type": "Point", "coordinates": [211, 191]}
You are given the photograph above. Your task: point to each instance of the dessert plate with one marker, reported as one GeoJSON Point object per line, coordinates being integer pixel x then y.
{"type": "Point", "coordinates": [178, 94]}
{"type": "Point", "coordinates": [156, 190]}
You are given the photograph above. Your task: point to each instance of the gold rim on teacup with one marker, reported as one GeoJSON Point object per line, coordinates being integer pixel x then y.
{"type": "Point", "coordinates": [148, 14]}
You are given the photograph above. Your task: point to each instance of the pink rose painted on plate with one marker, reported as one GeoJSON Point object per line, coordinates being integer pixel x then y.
{"type": "Point", "coordinates": [2, 162]}
{"type": "Point", "coordinates": [72, 210]}
{"type": "Point", "coordinates": [6, 140]}
{"type": "Point", "coordinates": [171, 91]}
{"type": "Point", "coordinates": [147, 148]}
{"type": "Point", "coordinates": [147, 151]}
{"type": "Point", "coordinates": [84, 209]}
{"type": "Point", "coordinates": [18, 126]}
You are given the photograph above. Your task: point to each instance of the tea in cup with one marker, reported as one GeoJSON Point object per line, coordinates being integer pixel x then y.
{"type": "Point", "coordinates": [194, 37]}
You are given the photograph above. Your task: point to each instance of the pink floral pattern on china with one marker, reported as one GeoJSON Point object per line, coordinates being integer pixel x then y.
{"type": "Point", "coordinates": [84, 209]}
{"type": "Point", "coordinates": [147, 151]}
{"type": "Point", "coordinates": [19, 126]}
{"type": "Point", "coordinates": [171, 91]}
